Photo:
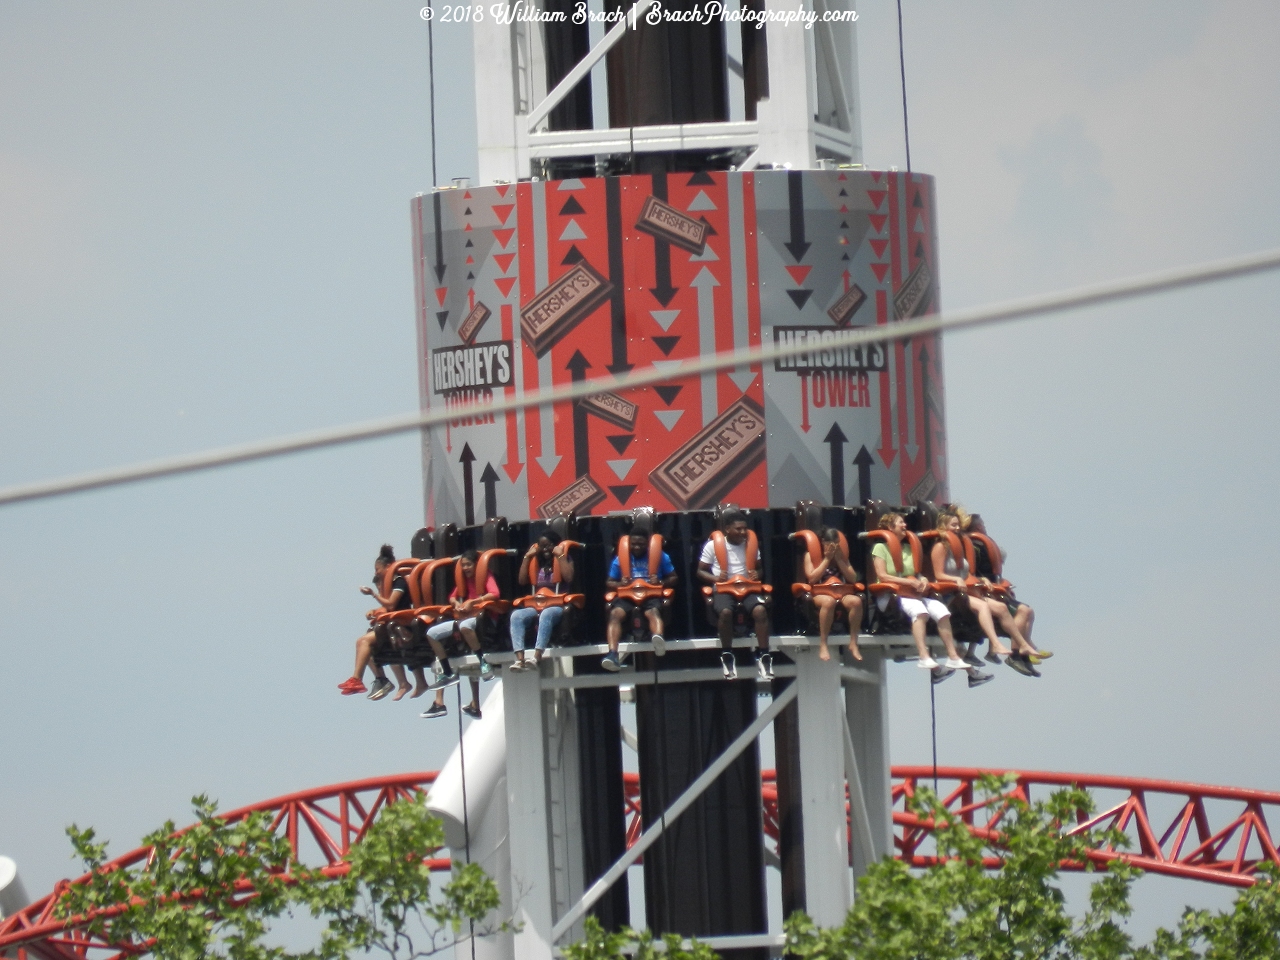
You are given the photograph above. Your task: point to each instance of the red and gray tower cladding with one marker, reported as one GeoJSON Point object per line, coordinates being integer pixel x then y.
{"type": "Point", "coordinates": [529, 286]}
{"type": "Point", "coordinates": [654, 191]}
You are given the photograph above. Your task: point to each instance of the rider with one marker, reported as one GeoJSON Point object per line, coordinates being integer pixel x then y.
{"type": "Point", "coordinates": [465, 598]}
{"type": "Point", "coordinates": [712, 571]}
{"type": "Point", "coordinates": [834, 567]}
{"type": "Point", "coordinates": [547, 549]}
{"type": "Point", "coordinates": [622, 607]}
{"type": "Point", "coordinates": [397, 599]}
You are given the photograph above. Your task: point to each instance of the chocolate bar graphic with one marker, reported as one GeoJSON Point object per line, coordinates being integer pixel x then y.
{"type": "Point", "coordinates": [667, 223]}
{"type": "Point", "coordinates": [842, 310]}
{"type": "Point", "coordinates": [579, 497]}
{"type": "Point", "coordinates": [912, 298]}
{"type": "Point", "coordinates": [715, 461]}
{"type": "Point", "coordinates": [551, 314]}
{"type": "Point", "coordinates": [473, 321]}
{"type": "Point", "coordinates": [613, 409]}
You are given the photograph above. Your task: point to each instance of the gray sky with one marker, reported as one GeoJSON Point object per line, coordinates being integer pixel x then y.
{"type": "Point", "coordinates": [204, 239]}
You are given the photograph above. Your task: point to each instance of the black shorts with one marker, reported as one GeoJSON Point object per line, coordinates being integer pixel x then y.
{"type": "Point", "coordinates": [628, 606]}
{"type": "Point", "coordinates": [727, 601]}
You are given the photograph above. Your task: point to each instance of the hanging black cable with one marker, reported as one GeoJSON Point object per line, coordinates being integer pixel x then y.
{"type": "Point", "coordinates": [902, 67]}
{"type": "Point", "coordinates": [466, 817]}
{"type": "Point", "coordinates": [431, 79]}
{"type": "Point", "coordinates": [933, 718]}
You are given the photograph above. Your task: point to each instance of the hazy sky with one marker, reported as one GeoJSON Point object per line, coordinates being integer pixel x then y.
{"type": "Point", "coordinates": [204, 239]}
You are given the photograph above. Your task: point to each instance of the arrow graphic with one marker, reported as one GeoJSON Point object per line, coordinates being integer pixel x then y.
{"type": "Point", "coordinates": [706, 285]}
{"type": "Point", "coordinates": [512, 466]}
{"type": "Point", "coordinates": [548, 459]}
{"type": "Point", "coordinates": [618, 298]}
{"type": "Point", "coordinates": [440, 265]}
{"type": "Point", "coordinates": [888, 452]}
{"type": "Point", "coordinates": [468, 486]}
{"type": "Point", "coordinates": [578, 367]}
{"type": "Point", "coordinates": [664, 292]}
{"type": "Point", "coordinates": [910, 434]}
{"type": "Point", "coordinates": [835, 436]}
{"type": "Point", "coordinates": [490, 480]}
{"type": "Point", "coordinates": [795, 201]}
{"type": "Point", "coordinates": [804, 402]}
{"type": "Point", "coordinates": [742, 377]}
{"type": "Point", "coordinates": [863, 462]}
{"type": "Point", "coordinates": [926, 403]}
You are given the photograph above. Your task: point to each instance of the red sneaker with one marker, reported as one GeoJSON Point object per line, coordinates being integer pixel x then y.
{"type": "Point", "coordinates": [352, 686]}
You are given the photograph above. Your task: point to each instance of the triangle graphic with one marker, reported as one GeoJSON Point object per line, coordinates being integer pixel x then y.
{"type": "Point", "coordinates": [466, 212]}
{"type": "Point", "coordinates": [505, 284]}
{"type": "Point", "coordinates": [469, 243]}
{"type": "Point", "coordinates": [669, 418]}
{"type": "Point", "coordinates": [878, 220]}
{"type": "Point", "coordinates": [573, 232]}
{"type": "Point", "coordinates": [470, 275]}
{"type": "Point", "coordinates": [466, 194]}
{"type": "Point", "coordinates": [880, 269]}
{"type": "Point", "coordinates": [573, 256]}
{"type": "Point", "coordinates": [798, 274]}
{"type": "Point", "coordinates": [466, 228]}
{"type": "Point", "coordinates": [919, 224]}
{"type": "Point", "coordinates": [706, 256]}
{"type": "Point", "coordinates": [668, 393]}
{"type": "Point", "coordinates": [470, 260]}
{"type": "Point", "coordinates": [441, 293]}
{"type": "Point", "coordinates": [504, 236]}
{"type": "Point", "coordinates": [844, 192]}
{"type": "Point", "coordinates": [503, 210]}
{"type": "Point", "coordinates": [568, 185]}
{"type": "Point", "coordinates": [877, 197]}
{"type": "Point", "coordinates": [920, 249]}
{"type": "Point", "coordinates": [623, 492]}
{"type": "Point", "coordinates": [503, 260]}
{"type": "Point", "coordinates": [666, 366]}
{"type": "Point", "coordinates": [845, 257]}
{"type": "Point", "coordinates": [742, 379]}
{"type": "Point", "coordinates": [842, 177]}
{"type": "Point", "coordinates": [664, 318]}
{"type": "Point", "coordinates": [711, 231]}
{"type": "Point", "coordinates": [620, 443]}
{"type": "Point", "coordinates": [879, 246]}
{"type": "Point", "coordinates": [666, 345]}
{"type": "Point", "coordinates": [571, 206]}
{"type": "Point", "coordinates": [502, 189]}
{"type": "Point", "coordinates": [701, 202]}
{"type": "Point", "coordinates": [800, 297]}
{"type": "Point", "coordinates": [442, 317]}
{"type": "Point", "coordinates": [875, 177]}
{"type": "Point", "coordinates": [844, 208]}
{"type": "Point", "coordinates": [621, 468]}
{"type": "Point", "coordinates": [701, 178]}
{"type": "Point", "coordinates": [844, 224]}
{"type": "Point", "coordinates": [916, 201]}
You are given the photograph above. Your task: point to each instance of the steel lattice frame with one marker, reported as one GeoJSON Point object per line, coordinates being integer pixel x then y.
{"type": "Point", "coordinates": [1190, 846]}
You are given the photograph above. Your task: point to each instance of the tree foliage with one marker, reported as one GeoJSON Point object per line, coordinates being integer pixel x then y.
{"type": "Point", "coordinates": [215, 890]}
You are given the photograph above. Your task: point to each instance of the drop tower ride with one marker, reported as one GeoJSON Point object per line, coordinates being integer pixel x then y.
{"type": "Point", "coordinates": [653, 190]}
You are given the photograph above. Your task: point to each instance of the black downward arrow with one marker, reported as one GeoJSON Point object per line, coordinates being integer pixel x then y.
{"type": "Point", "coordinates": [490, 480]}
{"type": "Point", "coordinates": [468, 486]}
{"type": "Point", "coordinates": [440, 265]}
{"type": "Point", "coordinates": [578, 367]}
{"type": "Point", "coordinates": [835, 436]}
{"type": "Point", "coordinates": [795, 201]}
{"type": "Point", "coordinates": [863, 462]}
{"type": "Point", "coordinates": [618, 297]}
{"type": "Point", "coordinates": [664, 292]}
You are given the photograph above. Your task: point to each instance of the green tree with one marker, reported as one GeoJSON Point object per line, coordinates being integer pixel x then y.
{"type": "Point", "coordinates": [215, 889]}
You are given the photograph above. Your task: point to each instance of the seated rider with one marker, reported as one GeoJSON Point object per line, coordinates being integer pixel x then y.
{"type": "Point", "coordinates": [543, 555]}
{"type": "Point", "coordinates": [377, 634]}
{"type": "Point", "coordinates": [637, 572]}
{"type": "Point", "coordinates": [725, 558]}
{"type": "Point", "coordinates": [989, 569]}
{"type": "Point", "coordinates": [833, 568]}
{"type": "Point", "coordinates": [911, 589]}
{"type": "Point", "coordinates": [465, 598]}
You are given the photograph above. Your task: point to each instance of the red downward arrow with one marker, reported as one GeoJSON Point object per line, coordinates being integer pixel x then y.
{"type": "Point", "coordinates": [503, 260]}
{"type": "Point", "coordinates": [879, 246]}
{"type": "Point", "coordinates": [880, 269]}
{"type": "Point", "coordinates": [503, 210]}
{"type": "Point", "coordinates": [887, 450]}
{"type": "Point", "coordinates": [441, 293]}
{"type": "Point", "coordinates": [505, 284]}
{"type": "Point", "coordinates": [503, 236]}
{"type": "Point", "coordinates": [804, 402]}
{"type": "Point", "coordinates": [798, 274]}
{"type": "Point", "coordinates": [513, 466]}
{"type": "Point", "coordinates": [877, 196]}
{"type": "Point", "coordinates": [502, 189]}
{"type": "Point", "coordinates": [878, 220]}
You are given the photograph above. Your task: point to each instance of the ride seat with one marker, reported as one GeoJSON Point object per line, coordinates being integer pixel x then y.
{"type": "Point", "coordinates": [637, 589]}
{"type": "Point", "coordinates": [804, 591]}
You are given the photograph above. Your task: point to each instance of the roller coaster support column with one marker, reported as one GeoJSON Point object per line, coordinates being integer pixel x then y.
{"type": "Point", "coordinates": [866, 699]}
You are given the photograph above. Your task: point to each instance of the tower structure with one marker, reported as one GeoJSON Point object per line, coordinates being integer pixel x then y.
{"type": "Point", "coordinates": [652, 189]}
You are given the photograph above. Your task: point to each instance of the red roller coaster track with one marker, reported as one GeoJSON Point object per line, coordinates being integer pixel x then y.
{"type": "Point", "coordinates": [324, 823]}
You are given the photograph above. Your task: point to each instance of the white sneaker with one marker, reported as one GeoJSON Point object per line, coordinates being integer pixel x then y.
{"type": "Point", "coordinates": [956, 664]}
{"type": "Point", "coordinates": [659, 644]}
{"type": "Point", "coordinates": [927, 663]}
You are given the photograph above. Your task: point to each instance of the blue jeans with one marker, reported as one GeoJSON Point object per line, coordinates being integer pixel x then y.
{"type": "Point", "coordinates": [522, 620]}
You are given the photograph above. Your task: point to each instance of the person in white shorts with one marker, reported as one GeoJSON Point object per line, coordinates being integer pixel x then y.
{"type": "Point", "coordinates": [912, 589]}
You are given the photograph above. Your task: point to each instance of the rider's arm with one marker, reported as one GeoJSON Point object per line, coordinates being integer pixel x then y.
{"type": "Point", "coordinates": [615, 571]}
{"type": "Point", "coordinates": [814, 572]}
{"type": "Point", "coordinates": [668, 572]}
{"type": "Point", "coordinates": [566, 564]}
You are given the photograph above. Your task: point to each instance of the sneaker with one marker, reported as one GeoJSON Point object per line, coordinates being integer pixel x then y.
{"type": "Point", "coordinates": [1042, 654]}
{"type": "Point", "coordinates": [938, 674]}
{"type": "Point", "coordinates": [729, 665]}
{"type": "Point", "coordinates": [971, 658]}
{"type": "Point", "coordinates": [764, 665]}
{"type": "Point", "coordinates": [1022, 665]}
{"type": "Point", "coordinates": [435, 710]}
{"type": "Point", "coordinates": [610, 662]}
{"type": "Point", "coordinates": [381, 687]}
{"type": "Point", "coordinates": [927, 663]}
{"type": "Point", "coordinates": [956, 664]}
{"type": "Point", "coordinates": [352, 686]}
{"type": "Point", "coordinates": [977, 678]}
{"type": "Point", "coordinates": [486, 671]}
{"type": "Point", "coordinates": [472, 711]}
{"type": "Point", "coordinates": [659, 644]}
{"type": "Point", "coordinates": [444, 680]}
{"type": "Point", "coordinates": [992, 658]}
{"type": "Point", "coordinates": [516, 667]}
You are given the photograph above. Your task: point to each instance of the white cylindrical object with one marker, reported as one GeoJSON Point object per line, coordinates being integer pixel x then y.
{"type": "Point", "coordinates": [12, 895]}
